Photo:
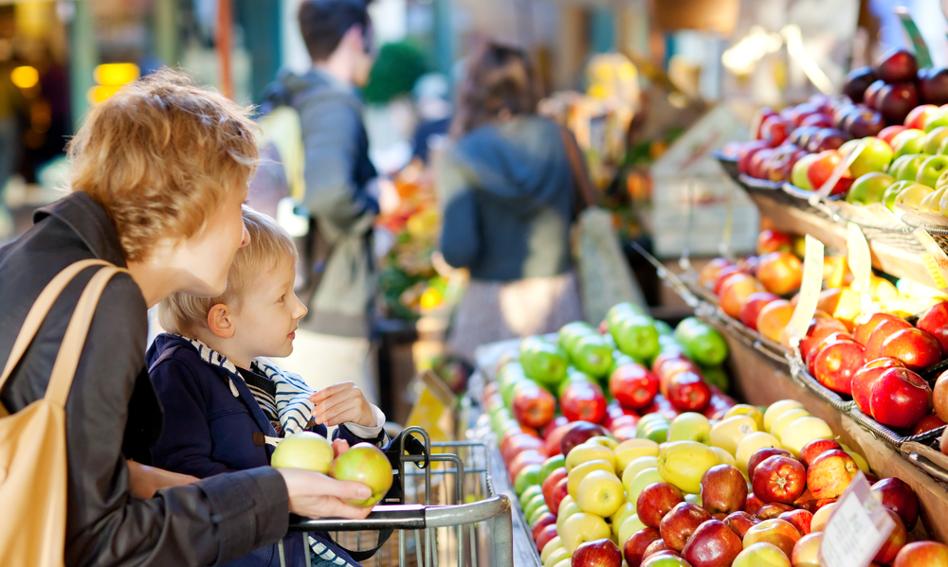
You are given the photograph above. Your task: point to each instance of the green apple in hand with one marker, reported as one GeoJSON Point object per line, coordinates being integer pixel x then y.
{"type": "Point", "coordinates": [305, 450]}
{"type": "Point", "coordinates": [931, 169]}
{"type": "Point", "coordinates": [869, 188]}
{"type": "Point", "coordinates": [367, 464]}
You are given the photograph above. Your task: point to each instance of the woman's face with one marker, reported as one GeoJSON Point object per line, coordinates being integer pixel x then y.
{"type": "Point", "coordinates": [206, 257]}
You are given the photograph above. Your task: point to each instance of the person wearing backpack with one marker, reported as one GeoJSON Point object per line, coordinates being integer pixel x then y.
{"type": "Point", "coordinates": [158, 176]}
{"type": "Point", "coordinates": [338, 192]}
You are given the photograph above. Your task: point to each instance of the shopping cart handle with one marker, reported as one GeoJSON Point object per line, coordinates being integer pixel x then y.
{"type": "Point", "coordinates": [400, 516]}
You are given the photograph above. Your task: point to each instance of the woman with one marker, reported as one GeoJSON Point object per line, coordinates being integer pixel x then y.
{"type": "Point", "coordinates": [508, 194]}
{"type": "Point", "coordinates": [159, 173]}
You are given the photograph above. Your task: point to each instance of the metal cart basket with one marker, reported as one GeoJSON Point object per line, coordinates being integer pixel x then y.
{"type": "Point", "coordinates": [448, 511]}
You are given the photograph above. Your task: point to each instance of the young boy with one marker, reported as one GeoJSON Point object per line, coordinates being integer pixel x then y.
{"type": "Point", "coordinates": [223, 403]}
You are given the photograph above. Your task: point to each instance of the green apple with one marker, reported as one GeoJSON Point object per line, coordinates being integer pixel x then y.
{"type": "Point", "coordinates": [305, 450]}
{"type": "Point", "coordinates": [582, 527]}
{"type": "Point", "coordinates": [550, 465]}
{"type": "Point", "coordinates": [908, 142]}
{"type": "Point", "coordinates": [600, 493]}
{"type": "Point", "coordinates": [529, 494]}
{"type": "Point", "coordinates": [530, 506]}
{"type": "Point", "coordinates": [942, 181]}
{"type": "Point", "coordinates": [905, 168]}
{"type": "Point", "coordinates": [683, 463]}
{"type": "Point", "coordinates": [640, 481]}
{"type": "Point", "coordinates": [931, 169]}
{"type": "Point", "coordinates": [689, 426]}
{"type": "Point", "coordinates": [798, 174]}
{"type": "Point", "coordinates": [664, 560]}
{"type": "Point", "coordinates": [869, 188]}
{"type": "Point", "coordinates": [367, 464]}
{"type": "Point", "coordinates": [543, 361]}
{"type": "Point", "coordinates": [627, 509]}
{"type": "Point", "coordinates": [628, 527]}
{"type": "Point", "coordinates": [536, 514]}
{"type": "Point", "coordinates": [568, 507]}
{"type": "Point", "coordinates": [635, 467]}
{"type": "Point", "coordinates": [892, 191]}
{"type": "Point", "coordinates": [528, 475]}
{"type": "Point", "coordinates": [934, 140]}
{"type": "Point", "coordinates": [875, 156]}
{"type": "Point", "coordinates": [936, 119]}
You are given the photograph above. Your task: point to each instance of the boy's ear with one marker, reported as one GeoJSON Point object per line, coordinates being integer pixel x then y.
{"type": "Point", "coordinates": [220, 322]}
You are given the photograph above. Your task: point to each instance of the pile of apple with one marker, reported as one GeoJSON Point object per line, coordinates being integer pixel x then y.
{"type": "Point", "coordinates": [749, 488]}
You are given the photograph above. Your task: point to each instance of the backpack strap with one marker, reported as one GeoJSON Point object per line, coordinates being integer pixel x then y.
{"type": "Point", "coordinates": [39, 310]}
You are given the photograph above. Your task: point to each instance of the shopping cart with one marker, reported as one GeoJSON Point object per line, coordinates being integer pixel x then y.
{"type": "Point", "coordinates": [443, 507]}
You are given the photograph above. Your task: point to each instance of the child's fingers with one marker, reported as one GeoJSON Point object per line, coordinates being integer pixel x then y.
{"type": "Point", "coordinates": [345, 411]}
{"type": "Point", "coordinates": [340, 446]}
{"type": "Point", "coordinates": [331, 391]}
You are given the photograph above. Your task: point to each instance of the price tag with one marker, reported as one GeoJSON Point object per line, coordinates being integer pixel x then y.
{"type": "Point", "coordinates": [860, 264]}
{"type": "Point", "coordinates": [856, 529]}
{"type": "Point", "coordinates": [809, 292]}
{"type": "Point", "coordinates": [934, 258]}
{"type": "Point", "coordinates": [827, 187]}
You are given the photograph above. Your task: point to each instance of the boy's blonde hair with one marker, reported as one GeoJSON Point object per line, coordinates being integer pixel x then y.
{"type": "Point", "coordinates": [160, 156]}
{"type": "Point", "coordinates": [269, 247]}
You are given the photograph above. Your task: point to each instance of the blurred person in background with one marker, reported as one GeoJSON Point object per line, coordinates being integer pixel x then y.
{"type": "Point", "coordinates": [508, 193]}
{"type": "Point", "coordinates": [433, 103]}
{"type": "Point", "coordinates": [9, 144]}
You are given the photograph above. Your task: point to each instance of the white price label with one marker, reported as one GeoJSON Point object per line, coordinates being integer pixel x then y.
{"type": "Point", "coordinates": [809, 292]}
{"type": "Point", "coordinates": [856, 529]}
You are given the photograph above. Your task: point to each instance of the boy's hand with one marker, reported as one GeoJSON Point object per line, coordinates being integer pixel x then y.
{"type": "Point", "coordinates": [339, 446]}
{"type": "Point", "coordinates": [341, 403]}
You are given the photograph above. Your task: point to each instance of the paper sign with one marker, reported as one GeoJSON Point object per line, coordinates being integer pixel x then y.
{"type": "Point", "coordinates": [856, 529]}
{"type": "Point", "coordinates": [860, 264]}
{"type": "Point", "coordinates": [809, 292]}
{"type": "Point", "coordinates": [934, 258]}
{"type": "Point", "coordinates": [827, 187]}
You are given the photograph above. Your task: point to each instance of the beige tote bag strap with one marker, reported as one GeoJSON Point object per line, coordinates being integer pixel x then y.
{"type": "Point", "coordinates": [70, 350]}
{"type": "Point", "coordinates": [39, 310]}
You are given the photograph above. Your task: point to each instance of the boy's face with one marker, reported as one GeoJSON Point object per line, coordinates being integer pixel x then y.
{"type": "Point", "coordinates": [267, 315]}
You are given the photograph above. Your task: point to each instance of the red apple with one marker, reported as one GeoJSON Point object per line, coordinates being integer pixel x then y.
{"type": "Point", "coordinates": [857, 81]}
{"type": "Point", "coordinates": [897, 65]}
{"type": "Point", "coordinates": [935, 321]}
{"type": "Point", "coordinates": [543, 521]}
{"type": "Point", "coordinates": [866, 377]}
{"type": "Point", "coordinates": [799, 518]}
{"type": "Point", "coordinates": [755, 302]}
{"type": "Point", "coordinates": [723, 489]}
{"type": "Point", "coordinates": [896, 540]}
{"type": "Point", "coordinates": [553, 492]}
{"type": "Point", "coordinates": [773, 241]}
{"type": "Point", "coordinates": [549, 428]}
{"type": "Point", "coordinates": [655, 501]}
{"type": "Point", "coordinates": [633, 386]}
{"type": "Point", "coordinates": [917, 117]}
{"type": "Point", "coordinates": [882, 332]}
{"type": "Point", "coordinates": [780, 272]}
{"type": "Point", "coordinates": [533, 406]}
{"type": "Point", "coordinates": [634, 548]}
{"type": "Point", "coordinates": [772, 510]}
{"type": "Point", "coordinates": [774, 130]}
{"type": "Point", "coordinates": [757, 126]}
{"type": "Point", "coordinates": [735, 290]}
{"type": "Point", "coordinates": [864, 330]}
{"type": "Point", "coordinates": [933, 85]}
{"type": "Point", "coordinates": [680, 522]}
{"type": "Point", "coordinates": [940, 396]}
{"type": "Point", "coordinates": [659, 548]}
{"type": "Point", "coordinates": [524, 458]}
{"type": "Point", "coordinates": [517, 442]}
{"type": "Point", "coordinates": [896, 100]}
{"type": "Point", "coordinates": [597, 553]}
{"type": "Point", "coordinates": [927, 423]}
{"type": "Point", "coordinates": [552, 441]}
{"type": "Point", "coordinates": [545, 535]}
{"type": "Point", "coordinates": [815, 448]}
{"type": "Point", "coordinates": [890, 132]}
{"type": "Point", "coordinates": [753, 504]}
{"type": "Point", "coordinates": [760, 455]}
{"type": "Point", "coordinates": [819, 329]}
{"type": "Point", "coordinates": [711, 271]}
{"type": "Point", "coordinates": [775, 531]}
{"type": "Point", "coordinates": [579, 432]}
{"type": "Point", "coordinates": [583, 401]}
{"type": "Point", "coordinates": [830, 474]}
{"type": "Point", "coordinates": [713, 544]}
{"type": "Point", "coordinates": [779, 479]}
{"type": "Point", "coordinates": [747, 153]}
{"type": "Point", "coordinates": [896, 495]}
{"type": "Point", "coordinates": [927, 553]}
{"type": "Point", "coordinates": [687, 391]}
{"type": "Point", "coordinates": [916, 348]}
{"type": "Point", "coordinates": [836, 363]}
{"type": "Point", "coordinates": [899, 398]}
{"type": "Point", "coordinates": [822, 168]}
{"type": "Point", "coordinates": [740, 522]}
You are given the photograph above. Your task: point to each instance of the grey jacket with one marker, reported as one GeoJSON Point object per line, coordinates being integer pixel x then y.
{"type": "Point", "coordinates": [112, 412]}
{"type": "Point", "coordinates": [507, 195]}
{"type": "Point", "coordinates": [337, 172]}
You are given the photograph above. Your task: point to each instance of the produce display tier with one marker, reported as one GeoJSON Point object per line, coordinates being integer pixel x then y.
{"type": "Point", "coordinates": [764, 372]}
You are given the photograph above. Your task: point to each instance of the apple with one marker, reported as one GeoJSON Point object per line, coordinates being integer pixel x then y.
{"type": "Point", "coordinates": [633, 549]}
{"type": "Point", "coordinates": [933, 84]}
{"type": "Point", "coordinates": [597, 553]}
{"type": "Point", "coordinates": [815, 448]}
{"type": "Point", "coordinates": [748, 153]}
{"type": "Point", "coordinates": [689, 426]}
{"type": "Point", "coordinates": [801, 519]}
{"type": "Point", "coordinates": [830, 474]}
{"type": "Point", "coordinates": [933, 141]}
{"type": "Point", "coordinates": [655, 501]}
{"type": "Point", "coordinates": [857, 81]}
{"type": "Point", "coordinates": [366, 464]}
{"type": "Point", "coordinates": [713, 270]}
{"type": "Point", "coordinates": [665, 558]}
{"type": "Point", "coordinates": [867, 375]}
{"type": "Point", "coordinates": [763, 454]}
{"type": "Point", "coordinates": [899, 398]}
{"type": "Point", "coordinates": [680, 522]}
{"type": "Point", "coordinates": [874, 157]}
{"type": "Point", "coordinates": [583, 401]}
{"type": "Point", "coordinates": [740, 522]}
{"type": "Point", "coordinates": [528, 476]}
{"type": "Point", "coordinates": [896, 495]}
{"type": "Point", "coordinates": [931, 169]}
{"type": "Point", "coordinates": [774, 130]}
{"type": "Point", "coordinates": [940, 396]}
{"type": "Point", "coordinates": [533, 406]}
{"type": "Point", "coordinates": [896, 540]}
{"type": "Point", "coordinates": [803, 430]}
{"type": "Point", "coordinates": [927, 423]}
{"type": "Point", "coordinates": [863, 122]}
{"type": "Point", "coordinates": [687, 391]}
{"type": "Point", "coordinates": [935, 321]}
{"type": "Point", "coordinates": [818, 331]}
{"type": "Point", "coordinates": [582, 454]}
{"type": "Point", "coordinates": [806, 552]}
{"type": "Point", "coordinates": [897, 65]}
{"type": "Point", "coordinates": [896, 100]}
{"type": "Point", "coordinates": [775, 531]}
{"type": "Point", "coordinates": [600, 493]}
{"type": "Point", "coordinates": [723, 490]}
{"type": "Point", "coordinates": [773, 319]}
{"type": "Point", "coordinates": [890, 132]}
{"type": "Point", "coordinates": [938, 119]}
{"type": "Point", "coordinates": [304, 450]}
{"type": "Point", "coordinates": [917, 349]}
{"type": "Point", "coordinates": [928, 553]}
{"type": "Point", "coordinates": [713, 544]}
{"type": "Point", "coordinates": [835, 364]}
{"type": "Point", "coordinates": [909, 142]}
{"type": "Point", "coordinates": [581, 527]}
{"type": "Point", "coordinates": [868, 188]}
{"type": "Point", "coordinates": [515, 442]}
{"type": "Point", "coordinates": [551, 464]}
{"type": "Point", "coordinates": [822, 168]}
{"type": "Point", "coordinates": [523, 460]}
{"type": "Point", "coordinates": [798, 174]}
{"type": "Point", "coordinates": [631, 449]}
{"type": "Point", "coordinates": [864, 330]}
{"type": "Point", "coordinates": [779, 479]}
{"type": "Point", "coordinates": [882, 332]}
{"type": "Point", "coordinates": [735, 290]}
{"type": "Point", "coordinates": [545, 534]}
{"type": "Point", "coordinates": [762, 554]}
{"type": "Point", "coordinates": [754, 303]}
{"type": "Point", "coordinates": [633, 386]}
{"type": "Point", "coordinates": [780, 272]}
{"type": "Point", "coordinates": [555, 488]}
{"type": "Point", "coordinates": [578, 433]}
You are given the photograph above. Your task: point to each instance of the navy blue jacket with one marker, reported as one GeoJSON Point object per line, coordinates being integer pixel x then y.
{"type": "Point", "coordinates": [209, 430]}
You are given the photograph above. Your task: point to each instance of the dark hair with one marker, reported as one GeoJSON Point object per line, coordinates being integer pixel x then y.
{"type": "Point", "coordinates": [324, 22]}
{"type": "Point", "coordinates": [498, 80]}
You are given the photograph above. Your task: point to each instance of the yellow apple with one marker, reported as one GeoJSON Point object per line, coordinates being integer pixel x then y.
{"type": "Point", "coordinates": [785, 419]}
{"type": "Point", "coordinates": [589, 452]}
{"type": "Point", "coordinates": [775, 409]}
{"type": "Point", "coordinates": [689, 426]}
{"type": "Point", "coordinates": [627, 509]}
{"type": "Point", "coordinates": [629, 526]}
{"type": "Point", "coordinates": [728, 432]}
{"type": "Point", "coordinates": [752, 443]}
{"type": "Point", "coordinates": [747, 409]}
{"type": "Point", "coordinates": [568, 562]}
{"type": "Point", "coordinates": [631, 449]}
{"type": "Point", "coordinates": [636, 466]}
{"type": "Point", "coordinates": [550, 547]}
{"type": "Point", "coordinates": [579, 472]}
{"type": "Point", "coordinates": [607, 442]}
{"type": "Point", "coordinates": [638, 483]}
{"type": "Point", "coordinates": [724, 457]}
{"type": "Point", "coordinates": [568, 507]}
{"type": "Point", "coordinates": [304, 450]}
{"type": "Point", "coordinates": [860, 460]}
{"type": "Point", "coordinates": [582, 527]}
{"type": "Point", "coordinates": [683, 463]}
{"type": "Point", "coordinates": [803, 430]}
{"type": "Point", "coordinates": [600, 493]}
{"type": "Point", "coordinates": [761, 554]}
{"type": "Point", "coordinates": [557, 556]}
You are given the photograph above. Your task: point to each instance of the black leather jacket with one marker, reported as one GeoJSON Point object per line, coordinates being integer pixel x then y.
{"type": "Point", "coordinates": [112, 412]}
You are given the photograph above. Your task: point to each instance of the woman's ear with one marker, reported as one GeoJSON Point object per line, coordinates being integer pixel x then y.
{"type": "Point", "coordinates": [220, 321]}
